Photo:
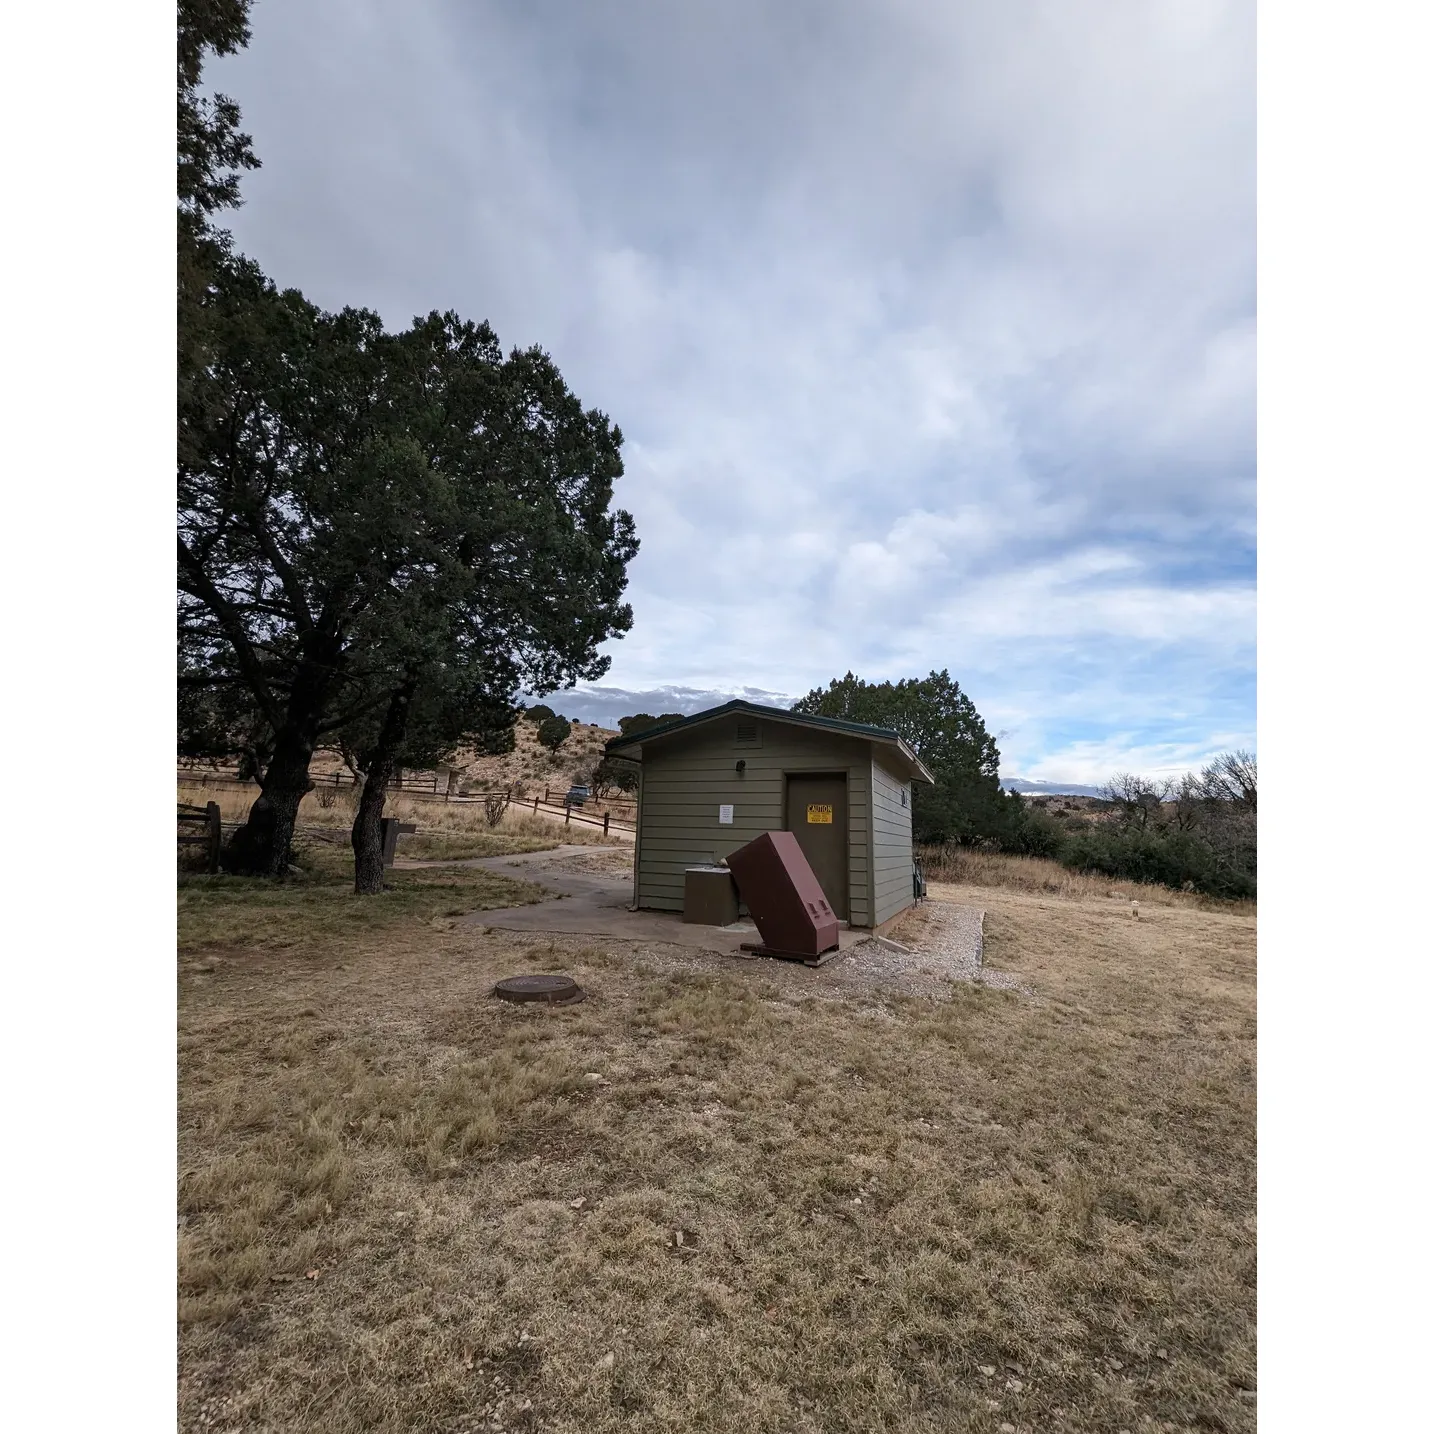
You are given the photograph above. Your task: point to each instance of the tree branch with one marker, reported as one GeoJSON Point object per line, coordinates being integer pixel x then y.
{"type": "Point", "coordinates": [199, 585]}
{"type": "Point", "coordinates": [344, 718]}
{"type": "Point", "coordinates": [293, 588]}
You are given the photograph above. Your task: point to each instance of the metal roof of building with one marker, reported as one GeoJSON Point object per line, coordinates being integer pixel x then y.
{"type": "Point", "coordinates": [886, 735]}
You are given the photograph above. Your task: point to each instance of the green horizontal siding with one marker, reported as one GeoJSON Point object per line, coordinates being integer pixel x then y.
{"type": "Point", "coordinates": [687, 777]}
{"type": "Point", "coordinates": [891, 844]}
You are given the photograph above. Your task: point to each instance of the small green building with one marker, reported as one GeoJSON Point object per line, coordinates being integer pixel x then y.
{"type": "Point", "coordinates": [712, 782]}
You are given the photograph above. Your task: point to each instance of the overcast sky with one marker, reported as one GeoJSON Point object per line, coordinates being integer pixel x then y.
{"type": "Point", "coordinates": [930, 328]}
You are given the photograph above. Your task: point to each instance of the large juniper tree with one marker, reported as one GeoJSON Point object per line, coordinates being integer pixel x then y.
{"type": "Point", "coordinates": [374, 529]}
{"type": "Point", "coordinates": [367, 509]}
{"type": "Point", "coordinates": [942, 725]}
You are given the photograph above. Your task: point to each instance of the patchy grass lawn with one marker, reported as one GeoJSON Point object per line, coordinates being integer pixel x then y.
{"type": "Point", "coordinates": [460, 846]}
{"type": "Point", "coordinates": [708, 1202]}
{"type": "Point", "coordinates": [320, 907]}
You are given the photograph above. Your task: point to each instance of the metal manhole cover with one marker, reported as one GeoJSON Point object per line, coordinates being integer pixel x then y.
{"type": "Point", "coordinates": [554, 989]}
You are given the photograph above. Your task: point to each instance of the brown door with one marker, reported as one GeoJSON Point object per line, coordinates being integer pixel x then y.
{"type": "Point", "coordinates": [816, 815]}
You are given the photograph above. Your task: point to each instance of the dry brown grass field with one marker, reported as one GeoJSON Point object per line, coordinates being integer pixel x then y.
{"type": "Point", "coordinates": [709, 1199]}
{"type": "Point", "coordinates": [529, 767]}
{"type": "Point", "coordinates": [966, 866]}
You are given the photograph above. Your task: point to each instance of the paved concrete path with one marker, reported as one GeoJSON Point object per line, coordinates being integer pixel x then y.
{"type": "Point", "coordinates": [597, 903]}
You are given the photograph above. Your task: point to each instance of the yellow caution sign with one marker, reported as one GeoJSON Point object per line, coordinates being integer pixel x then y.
{"type": "Point", "coordinates": [820, 813]}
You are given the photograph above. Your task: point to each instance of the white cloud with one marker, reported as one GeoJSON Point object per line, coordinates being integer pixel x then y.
{"type": "Point", "coordinates": [931, 329]}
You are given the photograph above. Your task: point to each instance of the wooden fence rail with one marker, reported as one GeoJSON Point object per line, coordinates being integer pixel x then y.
{"type": "Point", "coordinates": [611, 820]}
{"type": "Point", "coordinates": [571, 814]}
{"type": "Point", "coordinates": [212, 837]}
{"type": "Point", "coordinates": [623, 809]}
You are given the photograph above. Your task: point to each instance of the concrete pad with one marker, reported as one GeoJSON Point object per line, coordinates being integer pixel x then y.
{"type": "Point", "coordinates": [599, 904]}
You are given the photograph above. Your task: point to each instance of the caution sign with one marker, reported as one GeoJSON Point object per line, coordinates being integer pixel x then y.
{"type": "Point", "coordinates": [819, 813]}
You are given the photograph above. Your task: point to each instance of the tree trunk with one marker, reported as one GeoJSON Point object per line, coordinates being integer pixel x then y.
{"type": "Point", "coordinates": [262, 846]}
{"type": "Point", "coordinates": [367, 835]}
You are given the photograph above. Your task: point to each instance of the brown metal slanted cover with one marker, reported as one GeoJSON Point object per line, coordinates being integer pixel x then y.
{"type": "Point", "coordinates": [787, 902]}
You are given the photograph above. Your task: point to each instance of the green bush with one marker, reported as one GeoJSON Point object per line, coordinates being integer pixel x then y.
{"type": "Point", "coordinates": [1159, 855]}
{"type": "Point", "coordinates": [553, 732]}
{"type": "Point", "coordinates": [614, 773]}
{"type": "Point", "coordinates": [1034, 833]}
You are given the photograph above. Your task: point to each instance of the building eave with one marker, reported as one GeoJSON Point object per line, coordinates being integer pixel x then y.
{"type": "Point", "coordinates": [631, 747]}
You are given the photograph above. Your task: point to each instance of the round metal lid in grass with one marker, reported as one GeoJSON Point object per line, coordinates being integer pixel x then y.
{"type": "Point", "coordinates": [554, 989]}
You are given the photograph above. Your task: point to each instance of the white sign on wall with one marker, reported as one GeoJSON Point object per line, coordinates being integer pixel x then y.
{"type": "Point", "coordinates": [724, 816]}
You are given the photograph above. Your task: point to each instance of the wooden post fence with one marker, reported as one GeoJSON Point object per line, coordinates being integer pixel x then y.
{"type": "Point", "coordinates": [213, 837]}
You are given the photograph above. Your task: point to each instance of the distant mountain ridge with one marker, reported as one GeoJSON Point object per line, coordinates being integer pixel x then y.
{"type": "Point", "coordinates": [1028, 788]}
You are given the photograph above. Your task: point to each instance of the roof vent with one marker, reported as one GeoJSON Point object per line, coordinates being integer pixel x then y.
{"type": "Point", "coordinates": [748, 733]}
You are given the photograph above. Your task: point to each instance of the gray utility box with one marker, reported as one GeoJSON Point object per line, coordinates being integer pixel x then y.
{"type": "Point", "coordinates": [709, 896]}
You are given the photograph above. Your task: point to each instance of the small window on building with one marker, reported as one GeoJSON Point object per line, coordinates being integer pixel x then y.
{"type": "Point", "coordinates": [903, 796]}
{"type": "Point", "coordinates": [749, 734]}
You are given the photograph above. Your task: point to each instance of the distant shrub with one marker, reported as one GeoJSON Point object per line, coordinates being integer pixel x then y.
{"type": "Point", "coordinates": [615, 774]}
{"type": "Point", "coordinates": [1034, 833]}
{"type": "Point", "coordinates": [1179, 859]}
{"type": "Point", "coordinates": [540, 714]}
{"type": "Point", "coordinates": [641, 721]}
{"type": "Point", "coordinates": [553, 732]}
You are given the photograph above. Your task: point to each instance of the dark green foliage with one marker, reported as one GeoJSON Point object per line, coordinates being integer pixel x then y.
{"type": "Point", "coordinates": [615, 774]}
{"type": "Point", "coordinates": [211, 148]}
{"type": "Point", "coordinates": [539, 713]}
{"type": "Point", "coordinates": [456, 705]}
{"type": "Point", "coordinates": [1198, 832]}
{"type": "Point", "coordinates": [942, 726]}
{"type": "Point", "coordinates": [1162, 855]}
{"type": "Point", "coordinates": [211, 151]}
{"type": "Point", "coordinates": [219, 722]}
{"type": "Point", "coordinates": [641, 721]}
{"type": "Point", "coordinates": [381, 536]}
{"type": "Point", "coordinates": [1031, 831]}
{"type": "Point", "coordinates": [553, 732]}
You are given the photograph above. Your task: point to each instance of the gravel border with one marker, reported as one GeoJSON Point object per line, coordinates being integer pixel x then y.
{"type": "Point", "coordinates": [950, 940]}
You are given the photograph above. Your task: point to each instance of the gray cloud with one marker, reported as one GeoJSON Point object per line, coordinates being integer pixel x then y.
{"type": "Point", "coordinates": [931, 329]}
